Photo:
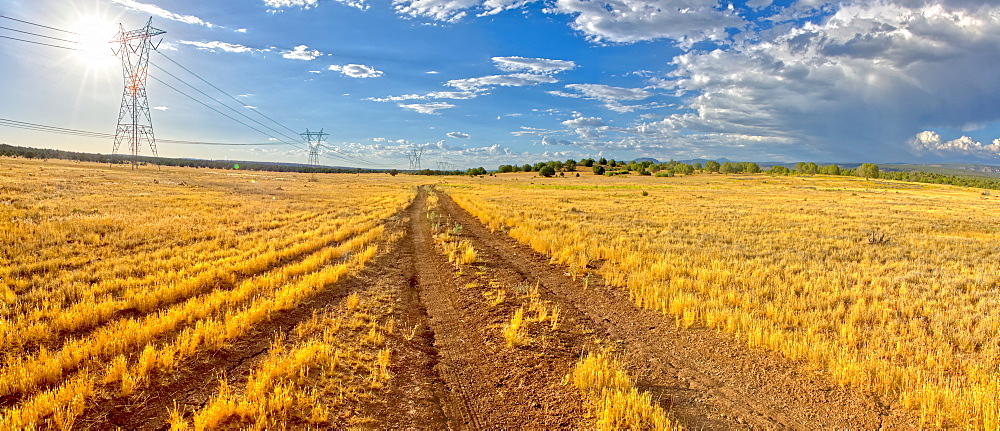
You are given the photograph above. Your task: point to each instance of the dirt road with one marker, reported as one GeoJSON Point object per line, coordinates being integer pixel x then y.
{"type": "Point", "coordinates": [453, 368]}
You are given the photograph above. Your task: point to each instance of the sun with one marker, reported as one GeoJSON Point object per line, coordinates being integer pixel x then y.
{"type": "Point", "coordinates": [93, 36]}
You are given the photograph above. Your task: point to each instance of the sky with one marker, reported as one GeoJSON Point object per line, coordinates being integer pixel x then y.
{"type": "Point", "coordinates": [488, 82]}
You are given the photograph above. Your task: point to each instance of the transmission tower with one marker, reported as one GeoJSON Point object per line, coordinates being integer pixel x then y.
{"type": "Point", "coordinates": [414, 157]}
{"type": "Point", "coordinates": [314, 139]}
{"type": "Point", "coordinates": [134, 123]}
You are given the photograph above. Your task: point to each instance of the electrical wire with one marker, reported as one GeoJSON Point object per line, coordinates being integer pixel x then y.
{"type": "Point", "coordinates": [39, 35]}
{"type": "Point", "coordinates": [89, 134]}
{"type": "Point", "coordinates": [336, 154]}
{"type": "Point", "coordinates": [41, 43]}
{"type": "Point", "coordinates": [38, 25]}
{"type": "Point", "coordinates": [332, 149]}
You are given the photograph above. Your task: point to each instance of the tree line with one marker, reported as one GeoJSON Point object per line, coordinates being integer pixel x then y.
{"type": "Point", "coordinates": [612, 167]}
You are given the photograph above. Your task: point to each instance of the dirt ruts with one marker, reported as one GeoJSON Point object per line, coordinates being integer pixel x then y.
{"type": "Point", "coordinates": [453, 370]}
{"type": "Point", "coordinates": [708, 379]}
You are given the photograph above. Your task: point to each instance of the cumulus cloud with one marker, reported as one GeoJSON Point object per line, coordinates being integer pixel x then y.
{"type": "Point", "coordinates": [607, 93]}
{"type": "Point", "coordinates": [283, 4]}
{"type": "Point", "coordinates": [162, 13]}
{"type": "Point", "coordinates": [626, 21]}
{"type": "Point", "coordinates": [217, 46]}
{"type": "Point", "coordinates": [460, 95]}
{"type": "Point", "coordinates": [438, 10]}
{"type": "Point", "coordinates": [357, 70]}
{"type": "Point", "coordinates": [584, 122]}
{"type": "Point", "coordinates": [301, 52]}
{"type": "Point", "coordinates": [427, 108]}
{"type": "Point", "coordinates": [930, 141]}
{"type": "Point", "coordinates": [459, 135]}
{"type": "Point", "coordinates": [512, 80]}
{"type": "Point", "coordinates": [858, 84]}
{"type": "Point", "coordinates": [534, 65]}
{"type": "Point", "coordinates": [548, 140]}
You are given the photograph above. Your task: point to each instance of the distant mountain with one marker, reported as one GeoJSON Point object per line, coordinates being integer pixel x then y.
{"type": "Point", "coordinates": [948, 168]}
{"type": "Point", "coordinates": [645, 159]}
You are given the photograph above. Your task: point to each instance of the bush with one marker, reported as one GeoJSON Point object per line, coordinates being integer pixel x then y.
{"type": "Point", "coordinates": [546, 171]}
{"type": "Point", "coordinates": [598, 170]}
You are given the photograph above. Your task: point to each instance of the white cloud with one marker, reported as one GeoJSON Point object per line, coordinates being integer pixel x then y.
{"type": "Point", "coordinates": [584, 122]}
{"type": "Point", "coordinates": [438, 10]}
{"type": "Point", "coordinates": [963, 146]}
{"type": "Point", "coordinates": [357, 71]}
{"type": "Point", "coordinates": [459, 95]}
{"type": "Point", "coordinates": [534, 65]}
{"type": "Point", "coordinates": [459, 135]}
{"type": "Point", "coordinates": [607, 93]}
{"type": "Point", "coordinates": [282, 4]}
{"type": "Point", "coordinates": [161, 108]}
{"type": "Point", "coordinates": [249, 107]}
{"type": "Point", "coordinates": [241, 30]}
{"type": "Point", "coordinates": [432, 72]}
{"type": "Point", "coordinates": [426, 108]}
{"type": "Point", "coordinates": [512, 80]}
{"type": "Point", "coordinates": [216, 46]}
{"type": "Point", "coordinates": [625, 21]}
{"type": "Point", "coordinates": [857, 85]}
{"type": "Point", "coordinates": [162, 13]}
{"type": "Point", "coordinates": [301, 52]}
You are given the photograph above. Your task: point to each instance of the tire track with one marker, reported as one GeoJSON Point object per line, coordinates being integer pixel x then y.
{"type": "Point", "coordinates": [708, 379]}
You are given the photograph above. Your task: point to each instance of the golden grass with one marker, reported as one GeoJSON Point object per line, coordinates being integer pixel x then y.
{"type": "Point", "coordinates": [613, 398]}
{"type": "Point", "coordinates": [111, 278]}
{"type": "Point", "coordinates": [784, 263]}
{"type": "Point", "coordinates": [315, 380]}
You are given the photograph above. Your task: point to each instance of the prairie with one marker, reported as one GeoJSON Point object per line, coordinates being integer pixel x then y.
{"type": "Point", "coordinates": [890, 287]}
{"type": "Point", "coordinates": [205, 299]}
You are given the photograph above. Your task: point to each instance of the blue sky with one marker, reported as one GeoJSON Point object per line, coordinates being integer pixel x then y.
{"type": "Point", "coordinates": [488, 82]}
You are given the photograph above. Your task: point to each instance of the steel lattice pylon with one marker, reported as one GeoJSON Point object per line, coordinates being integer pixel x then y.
{"type": "Point", "coordinates": [134, 122]}
{"type": "Point", "coordinates": [314, 139]}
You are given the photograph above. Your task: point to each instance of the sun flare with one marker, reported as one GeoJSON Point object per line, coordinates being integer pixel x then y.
{"type": "Point", "coordinates": [94, 35]}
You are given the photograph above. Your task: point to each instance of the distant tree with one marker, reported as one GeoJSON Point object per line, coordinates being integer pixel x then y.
{"type": "Point", "coordinates": [503, 169]}
{"type": "Point", "coordinates": [712, 166]}
{"type": "Point", "coordinates": [546, 171]}
{"type": "Point", "coordinates": [867, 170]}
{"type": "Point", "coordinates": [778, 170]}
{"type": "Point", "coordinates": [526, 168]}
{"type": "Point", "coordinates": [696, 166]}
{"type": "Point", "coordinates": [393, 172]}
{"type": "Point", "coordinates": [642, 171]}
{"type": "Point", "coordinates": [588, 163]}
{"type": "Point", "coordinates": [602, 161]}
{"type": "Point", "coordinates": [598, 170]}
{"type": "Point", "coordinates": [731, 168]}
{"type": "Point", "coordinates": [612, 163]}
{"type": "Point", "coordinates": [751, 168]}
{"type": "Point", "coordinates": [830, 170]}
{"type": "Point", "coordinates": [683, 168]}
{"type": "Point", "coordinates": [570, 165]}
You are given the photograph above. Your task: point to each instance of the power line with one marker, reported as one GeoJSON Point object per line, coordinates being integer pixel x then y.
{"type": "Point", "coordinates": [222, 91]}
{"type": "Point", "coordinates": [38, 25]}
{"type": "Point", "coordinates": [336, 154]}
{"type": "Point", "coordinates": [41, 43]}
{"type": "Point", "coordinates": [89, 134]}
{"type": "Point", "coordinates": [219, 102]}
{"type": "Point", "coordinates": [340, 155]}
{"type": "Point", "coordinates": [39, 35]}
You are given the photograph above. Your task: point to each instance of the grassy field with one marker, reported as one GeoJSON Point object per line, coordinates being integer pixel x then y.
{"type": "Point", "coordinates": [891, 287]}
{"type": "Point", "coordinates": [114, 281]}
